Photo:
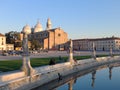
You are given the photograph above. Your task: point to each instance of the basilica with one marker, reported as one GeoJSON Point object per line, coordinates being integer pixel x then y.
{"type": "Point", "coordinates": [50, 38]}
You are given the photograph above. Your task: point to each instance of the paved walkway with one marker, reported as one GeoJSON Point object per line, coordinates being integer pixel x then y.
{"type": "Point", "coordinates": [53, 54]}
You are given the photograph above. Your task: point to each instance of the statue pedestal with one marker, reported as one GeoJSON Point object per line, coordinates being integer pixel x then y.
{"type": "Point", "coordinates": [71, 58]}
{"type": "Point", "coordinates": [94, 54]}
{"type": "Point", "coordinates": [26, 67]}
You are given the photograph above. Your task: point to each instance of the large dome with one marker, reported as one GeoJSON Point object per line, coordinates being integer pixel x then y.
{"type": "Point", "coordinates": [38, 27]}
{"type": "Point", "coordinates": [26, 29]}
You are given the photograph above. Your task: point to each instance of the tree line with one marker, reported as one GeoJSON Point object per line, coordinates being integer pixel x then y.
{"type": "Point", "coordinates": [14, 37]}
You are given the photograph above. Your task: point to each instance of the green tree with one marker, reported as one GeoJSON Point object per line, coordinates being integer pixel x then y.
{"type": "Point", "coordinates": [13, 37]}
{"type": "Point", "coordinates": [35, 45]}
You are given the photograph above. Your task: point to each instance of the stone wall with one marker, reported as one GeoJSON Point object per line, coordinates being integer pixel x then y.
{"type": "Point", "coordinates": [11, 75]}
{"type": "Point", "coordinates": [46, 74]}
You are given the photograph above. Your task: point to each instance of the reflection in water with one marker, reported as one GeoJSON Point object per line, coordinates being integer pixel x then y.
{"type": "Point", "coordinates": [110, 72]}
{"type": "Point", "coordinates": [93, 78]}
{"type": "Point", "coordinates": [71, 83]}
{"type": "Point", "coordinates": [71, 79]}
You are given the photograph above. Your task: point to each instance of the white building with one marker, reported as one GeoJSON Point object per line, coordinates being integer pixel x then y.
{"type": "Point", "coordinates": [102, 44]}
{"type": "Point", "coordinates": [3, 45]}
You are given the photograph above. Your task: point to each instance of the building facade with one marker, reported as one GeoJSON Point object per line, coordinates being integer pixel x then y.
{"type": "Point", "coordinates": [2, 42]}
{"type": "Point", "coordinates": [51, 38]}
{"type": "Point", "coordinates": [3, 45]}
{"type": "Point", "coordinates": [102, 44]}
{"type": "Point", "coordinates": [9, 47]}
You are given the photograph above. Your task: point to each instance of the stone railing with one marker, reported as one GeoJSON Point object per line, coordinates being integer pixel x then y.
{"type": "Point", "coordinates": [48, 73]}
{"type": "Point", "coordinates": [52, 68]}
{"type": "Point", "coordinates": [11, 75]}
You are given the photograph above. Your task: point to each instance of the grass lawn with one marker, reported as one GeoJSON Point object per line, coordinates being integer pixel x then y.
{"type": "Point", "coordinates": [11, 65]}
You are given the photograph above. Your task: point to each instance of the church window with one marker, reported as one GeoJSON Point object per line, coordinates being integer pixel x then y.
{"type": "Point", "coordinates": [59, 34]}
{"type": "Point", "coordinates": [2, 43]}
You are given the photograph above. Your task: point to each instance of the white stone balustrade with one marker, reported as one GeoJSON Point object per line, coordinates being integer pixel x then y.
{"type": "Point", "coordinates": [46, 74]}
{"type": "Point", "coordinates": [51, 68]}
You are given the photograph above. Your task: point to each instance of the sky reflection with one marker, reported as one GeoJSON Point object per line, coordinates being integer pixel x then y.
{"type": "Point", "coordinates": [104, 79]}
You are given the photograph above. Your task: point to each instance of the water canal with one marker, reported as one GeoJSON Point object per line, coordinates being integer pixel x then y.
{"type": "Point", "coordinates": [106, 77]}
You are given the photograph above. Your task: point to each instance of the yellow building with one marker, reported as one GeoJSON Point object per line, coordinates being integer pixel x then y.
{"type": "Point", "coordinates": [2, 42]}
{"type": "Point", "coordinates": [50, 38]}
{"type": "Point", "coordinates": [9, 46]}
{"type": "Point", "coordinates": [3, 45]}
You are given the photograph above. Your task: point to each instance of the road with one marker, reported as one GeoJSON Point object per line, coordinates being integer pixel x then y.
{"type": "Point", "coordinates": [54, 54]}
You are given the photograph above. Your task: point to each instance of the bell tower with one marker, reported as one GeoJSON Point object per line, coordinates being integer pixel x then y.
{"type": "Point", "coordinates": [49, 24]}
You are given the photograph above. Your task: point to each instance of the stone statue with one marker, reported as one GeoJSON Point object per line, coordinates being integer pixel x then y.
{"type": "Point", "coordinates": [26, 66]}
{"type": "Point", "coordinates": [71, 52]}
{"type": "Point", "coordinates": [94, 51]}
{"type": "Point", "coordinates": [70, 47]}
{"type": "Point", "coordinates": [25, 44]}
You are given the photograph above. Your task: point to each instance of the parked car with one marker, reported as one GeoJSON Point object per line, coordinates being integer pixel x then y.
{"type": "Point", "coordinates": [5, 54]}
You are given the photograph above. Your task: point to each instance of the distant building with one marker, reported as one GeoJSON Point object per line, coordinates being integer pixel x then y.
{"type": "Point", "coordinates": [2, 42]}
{"type": "Point", "coordinates": [3, 45]}
{"type": "Point", "coordinates": [102, 44]}
{"type": "Point", "coordinates": [9, 47]}
{"type": "Point", "coordinates": [51, 38]}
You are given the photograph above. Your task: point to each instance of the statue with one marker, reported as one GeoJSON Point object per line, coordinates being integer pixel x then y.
{"type": "Point", "coordinates": [70, 47]}
{"type": "Point", "coordinates": [25, 44]}
{"type": "Point", "coordinates": [71, 52]}
{"type": "Point", "coordinates": [26, 66]}
{"type": "Point", "coordinates": [94, 51]}
{"type": "Point", "coordinates": [111, 52]}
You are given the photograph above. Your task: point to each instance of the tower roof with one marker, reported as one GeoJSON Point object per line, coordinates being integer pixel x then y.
{"type": "Point", "coordinates": [49, 24]}
{"type": "Point", "coordinates": [49, 21]}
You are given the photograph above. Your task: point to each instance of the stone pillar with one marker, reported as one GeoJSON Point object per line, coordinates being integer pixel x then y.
{"type": "Point", "coordinates": [111, 52]}
{"type": "Point", "coordinates": [93, 78]}
{"type": "Point", "coordinates": [94, 51]}
{"type": "Point", "coordinates": [71, 52]}
{"type": "Point", "coordinates": [26, 66]}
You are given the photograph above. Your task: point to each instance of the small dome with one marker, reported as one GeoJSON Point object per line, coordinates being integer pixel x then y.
{"type": "Point", "coordinates": [38, 27]}
{"type": "Point", "coordinates": [26, 29]}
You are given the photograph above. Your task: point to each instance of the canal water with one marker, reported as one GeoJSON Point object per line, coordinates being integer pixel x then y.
{"type": "Point", "coordinates": [106, 77]}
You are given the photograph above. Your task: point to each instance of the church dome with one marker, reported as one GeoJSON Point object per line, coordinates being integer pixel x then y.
{"type": "Point", "coordinates": [38, 27]}
{"type": "Point", "coordinates": [26, 29]}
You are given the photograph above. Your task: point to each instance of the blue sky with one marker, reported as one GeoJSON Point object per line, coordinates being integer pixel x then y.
{"type": "Point", "coordinates": [79, 18]}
